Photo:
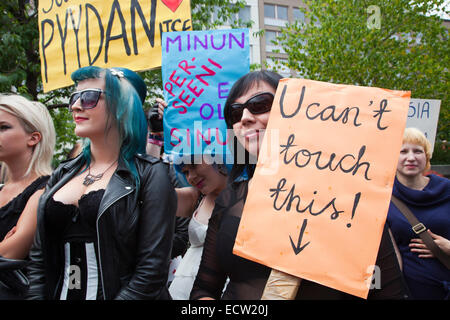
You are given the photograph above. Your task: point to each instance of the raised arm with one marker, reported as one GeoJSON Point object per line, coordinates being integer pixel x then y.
{"type": "Point", "coordinates": [187, 200]}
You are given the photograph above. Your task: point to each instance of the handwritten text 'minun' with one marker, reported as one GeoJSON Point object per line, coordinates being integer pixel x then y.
{"type": "Point", "coordinates": [205, 42]}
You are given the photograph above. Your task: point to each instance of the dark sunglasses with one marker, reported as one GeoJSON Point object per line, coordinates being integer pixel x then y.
{"type": "Point", "coordinates": [88, 98]}
{"type": "Point", "coordinates": [261, 103]}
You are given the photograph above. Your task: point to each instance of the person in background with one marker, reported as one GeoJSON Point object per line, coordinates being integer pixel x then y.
{"type": "Point", "coordinates": [195, 203]}
{"type": "Point", "coordinates": [106, 219]}
{"type": "Point", "coordinates": [27, 141]}
{"type": "Point", "coordinates": [155, 148]}
{"type": "Point", "coordinates": [247, 279]}
{"type": "Point", "coordinates": [428, 197]}
{"type": "Point", "coordinates": [247, 112]}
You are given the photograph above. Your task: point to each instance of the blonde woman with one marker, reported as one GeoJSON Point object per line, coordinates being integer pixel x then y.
{"type": "Point", "coordinates": [27, 139]}
{"type": "Point", "coordinates": [428, 197]}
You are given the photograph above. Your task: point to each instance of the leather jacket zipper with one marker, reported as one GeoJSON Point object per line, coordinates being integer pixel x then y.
{"type": "Point", "coordinates": [98, 237]}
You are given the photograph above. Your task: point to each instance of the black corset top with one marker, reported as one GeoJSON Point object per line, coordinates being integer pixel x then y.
{"type": "Point", "coordinates": [74, 223]}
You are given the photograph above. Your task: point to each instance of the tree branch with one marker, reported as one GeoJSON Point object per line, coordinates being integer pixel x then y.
{"type": "Point", "coordinates": [57, 106]}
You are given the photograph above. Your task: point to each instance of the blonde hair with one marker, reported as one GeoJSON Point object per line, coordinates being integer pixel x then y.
{"type": "Point", "coordinates": [34, 117]}
{"type": "Point", "coordinates": [415, 136]}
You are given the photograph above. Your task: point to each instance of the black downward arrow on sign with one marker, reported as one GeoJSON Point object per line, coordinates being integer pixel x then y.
{"type": "Point", "coordinates": [298, 248]}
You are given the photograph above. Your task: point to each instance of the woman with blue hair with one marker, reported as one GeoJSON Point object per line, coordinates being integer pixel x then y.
{"type": "Point", "coordinates": [106, 219]}
{"type": "Point", "coordinates": [196, 202]}
{"type": "Point", "coordinates": [205, 179]}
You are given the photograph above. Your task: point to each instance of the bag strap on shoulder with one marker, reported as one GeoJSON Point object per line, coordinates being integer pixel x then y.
{"type": "Point", "coordinates": [420, 229]}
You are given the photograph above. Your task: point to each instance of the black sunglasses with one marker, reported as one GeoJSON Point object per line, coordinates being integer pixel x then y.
{"type": "Point", "coordinates": [261, 103]}
{"type": "Point", "coordinates": [88, 98]}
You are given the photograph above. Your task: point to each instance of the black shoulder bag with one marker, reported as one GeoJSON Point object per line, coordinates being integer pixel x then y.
{"type": "Point", "coordinates": [12, 279]}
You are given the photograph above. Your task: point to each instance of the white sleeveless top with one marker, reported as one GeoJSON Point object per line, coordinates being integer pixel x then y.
{"type": "Point", "coordinates": [186, 272]}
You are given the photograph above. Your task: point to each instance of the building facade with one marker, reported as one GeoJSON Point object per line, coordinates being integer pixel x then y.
{"type": "Point", "coordinates": [270, 16]}
{"type": "Point", "coordinates": [273, 16]}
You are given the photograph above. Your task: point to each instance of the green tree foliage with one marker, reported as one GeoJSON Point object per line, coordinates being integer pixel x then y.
{"type": "Point", "coordinates": [20, 68]}
{"type": "Point", "coordinates": [393, 44]}
{"type": "Point", "coordinates": [19, 47]}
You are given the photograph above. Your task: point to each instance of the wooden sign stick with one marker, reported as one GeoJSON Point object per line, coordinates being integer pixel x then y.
{"type": "Point", "coordinates": [281, 286]}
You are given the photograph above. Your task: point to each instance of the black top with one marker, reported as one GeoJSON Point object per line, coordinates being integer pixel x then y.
{"type": "Point", "coordinates": [10, 212]}
{"type": "Point", "coordinates": [74, 223]}
{"type": "Point", "coordinates": [135, 225]}
{"type": "Point", "coordinates": [248, 278]}
{"type": "Point", "coordinates": [74, 227]}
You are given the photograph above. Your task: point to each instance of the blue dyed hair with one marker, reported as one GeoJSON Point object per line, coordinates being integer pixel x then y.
{"type": "Point", "coordinates": [179, 161]}
{"type": "Point", "coordinates": [125, 95]}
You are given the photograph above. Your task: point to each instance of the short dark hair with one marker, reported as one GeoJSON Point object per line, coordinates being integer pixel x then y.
{"type": "Point", "coordinates": [239, 88]}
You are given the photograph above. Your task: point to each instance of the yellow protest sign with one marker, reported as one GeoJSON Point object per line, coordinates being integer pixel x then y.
{"type": "Point", "coordinates": [319, 212]}
{"type": "Point", "coordinates": [116, 33]}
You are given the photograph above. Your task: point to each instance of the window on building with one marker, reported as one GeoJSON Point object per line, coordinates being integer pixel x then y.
{"type": "Point", "coordinates": [275, 15]}
{"type": "Point", "coordinates": [252, 59]}
{"type": "Point", "coordinates": [272, 36]}
{"type": "Point", "coordinates": [278, 65]}
{"type": "Point", "coordinates": [298, 15]}
{"type": "Point", "coordinates": [282, 13]}
{"type": "Point", "coordinates": [269, 11]}
{"type": "Point", "coordinates": [215, 15]}
{"type": "Point", "coordinates": [244, 14]}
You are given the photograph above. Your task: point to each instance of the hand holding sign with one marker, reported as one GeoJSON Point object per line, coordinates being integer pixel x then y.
{"type": "Point", "coordinates": [328, 201]}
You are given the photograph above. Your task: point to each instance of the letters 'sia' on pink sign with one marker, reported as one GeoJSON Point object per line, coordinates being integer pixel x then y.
{"type": "Point", "coordinates": [172, 4]}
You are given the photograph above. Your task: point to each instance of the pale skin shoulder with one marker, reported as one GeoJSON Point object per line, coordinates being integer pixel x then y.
{"type": "Point", "coordinates": [187, 199]}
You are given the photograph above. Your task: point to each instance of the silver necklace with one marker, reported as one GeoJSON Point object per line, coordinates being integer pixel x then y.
{"type": "Point", "coordinates": [90, 178]}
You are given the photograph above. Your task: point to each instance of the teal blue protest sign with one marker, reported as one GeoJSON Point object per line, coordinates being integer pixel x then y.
{"type": "Point", "coordinates": [198, 70]}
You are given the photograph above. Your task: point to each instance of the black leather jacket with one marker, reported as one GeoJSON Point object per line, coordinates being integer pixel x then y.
{"type": "Point", "coordinates": [134, 234]}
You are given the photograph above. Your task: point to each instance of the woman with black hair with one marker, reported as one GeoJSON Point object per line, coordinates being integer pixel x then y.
{"type": "Point", "coordinates": [247, 111]}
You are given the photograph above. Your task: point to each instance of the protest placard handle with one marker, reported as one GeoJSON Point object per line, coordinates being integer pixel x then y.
{"type": "Point", "coordinates": [281, 286]}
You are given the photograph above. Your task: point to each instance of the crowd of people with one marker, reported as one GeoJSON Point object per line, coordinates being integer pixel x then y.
{"type": "Point", "coordinates": [108, 221]}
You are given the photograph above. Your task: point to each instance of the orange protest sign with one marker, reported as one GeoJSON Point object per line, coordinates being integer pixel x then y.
{"type": "Point", "coordinates": [318, 200]}
{"type": "Point", "coordinates": [116, 33]}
